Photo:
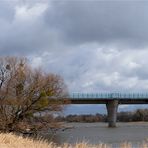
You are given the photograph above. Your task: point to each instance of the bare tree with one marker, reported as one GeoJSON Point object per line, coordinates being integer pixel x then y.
{"type": "Point", "coordinates": [25, 92]}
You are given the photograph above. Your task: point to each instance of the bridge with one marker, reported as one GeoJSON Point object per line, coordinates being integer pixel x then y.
{"type": "Point", "coordinates": [112, 101]}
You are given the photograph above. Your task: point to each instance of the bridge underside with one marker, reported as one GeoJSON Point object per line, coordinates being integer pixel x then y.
{"type": "Point", "coordinates": [111, 105]}
{"type": "Point", "coordinates": [104, 101]}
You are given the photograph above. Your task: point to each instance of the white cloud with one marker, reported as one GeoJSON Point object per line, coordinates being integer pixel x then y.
{"type": "Point", "coordinates": [27, 13]}
{"type": "Point", "coordinates": [36, 62]}
{"type": "Point", "coordinates": [90, 70]}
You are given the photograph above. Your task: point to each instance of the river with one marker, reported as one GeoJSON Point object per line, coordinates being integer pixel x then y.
{"type": "Point", "coordinates": [94, 133]}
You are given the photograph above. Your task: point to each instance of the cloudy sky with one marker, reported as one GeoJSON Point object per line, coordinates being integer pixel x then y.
{"type": "Point", "coordinates": [96, 45]}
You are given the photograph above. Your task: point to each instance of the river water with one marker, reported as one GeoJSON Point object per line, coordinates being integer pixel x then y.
{"type": "Point", "coordinates": [95, 133]}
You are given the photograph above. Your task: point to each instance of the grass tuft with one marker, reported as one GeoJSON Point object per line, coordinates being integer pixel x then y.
{"type": "Point", "coordinates": [13, 141]}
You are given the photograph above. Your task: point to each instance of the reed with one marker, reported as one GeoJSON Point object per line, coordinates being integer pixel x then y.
{"type": "Point", "coordinates": [13, 141]}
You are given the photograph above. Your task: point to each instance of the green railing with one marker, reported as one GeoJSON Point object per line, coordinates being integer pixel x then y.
{"type": "Point", "coordinates": [109, 96]}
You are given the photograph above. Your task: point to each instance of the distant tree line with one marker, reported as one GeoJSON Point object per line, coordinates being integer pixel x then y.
{"type": "Point", "coordinates": [138, 115]}
{"type": "Point", "coordinates": [83, 118]}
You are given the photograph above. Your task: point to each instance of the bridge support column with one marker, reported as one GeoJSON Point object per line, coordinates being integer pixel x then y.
{"type": "Point", "coordinates": [112, 107]}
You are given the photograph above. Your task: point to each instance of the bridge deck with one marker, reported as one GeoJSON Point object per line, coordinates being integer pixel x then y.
{"type": "Point", "coordinates": [112, 100]}
{"type": "Point", "coordinates": [102, 98]}
{"type": "Point", "coordinates": [108, 96]}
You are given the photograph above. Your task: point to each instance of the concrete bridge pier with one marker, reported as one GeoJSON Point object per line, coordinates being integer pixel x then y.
{"type": "Point", "coordinates": [112, 107]}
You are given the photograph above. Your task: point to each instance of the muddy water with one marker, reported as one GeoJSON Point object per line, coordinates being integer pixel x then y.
{"type": "Point", "coordinates": [95, 133]}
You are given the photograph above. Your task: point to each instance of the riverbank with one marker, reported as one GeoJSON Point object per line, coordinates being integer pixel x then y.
{"type": "Point", "coordinates": [13, 141]}
{"type": "Point", "coordinates": [10, 140]}
{"type": "Point", "coordinates": [86, 135]}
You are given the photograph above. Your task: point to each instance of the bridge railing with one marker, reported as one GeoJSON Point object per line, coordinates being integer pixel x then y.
{"type": "Point", "coordinates": [109, 96]}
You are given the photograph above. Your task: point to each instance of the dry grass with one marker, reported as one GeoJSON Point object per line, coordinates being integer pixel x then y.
{"type": "Point", "coordinates": [13, 141]}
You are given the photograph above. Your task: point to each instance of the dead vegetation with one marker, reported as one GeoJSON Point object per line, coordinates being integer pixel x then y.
{"type": "Point", "coordinates": [28, 97]}
{"type": "Point", "coordinates": [13, 141]}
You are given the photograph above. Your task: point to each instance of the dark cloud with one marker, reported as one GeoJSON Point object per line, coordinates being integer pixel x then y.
{"type": "Point", "coordinates": [23, 31]}
{"type": "Point", "coordinates": [6, 11]}
{"type": "Point", "coordinates": [114, 22]}
{"type": "Point", "coordinates": [81, 40]}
